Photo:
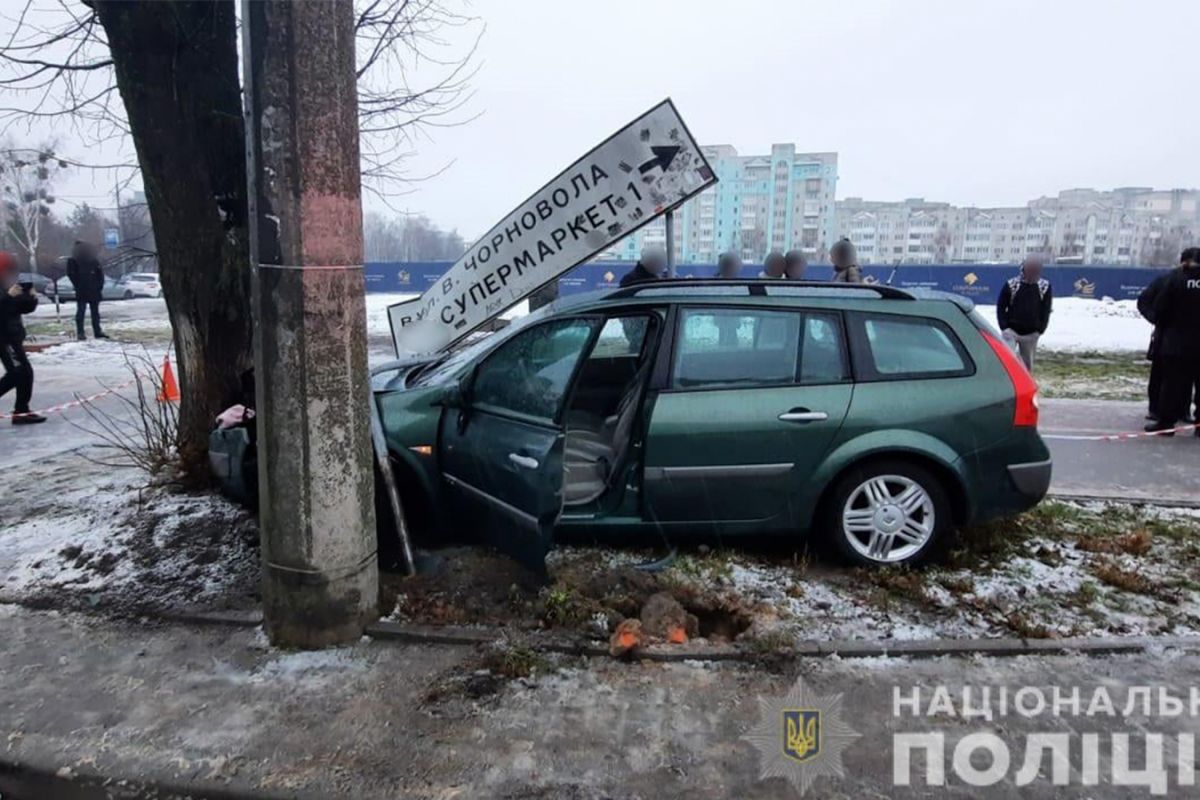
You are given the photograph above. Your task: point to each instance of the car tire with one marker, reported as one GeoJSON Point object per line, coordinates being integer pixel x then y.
{"type": "Point", "coordinates": [128, 295]}
{"type": "Point", "coordinates": [888, 513]}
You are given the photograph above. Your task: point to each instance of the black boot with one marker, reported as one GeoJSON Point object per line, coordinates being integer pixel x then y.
{"type": "Point", "coordinates": [1160, 428]}
{"type": "Point", "coordinates": [27, 418]}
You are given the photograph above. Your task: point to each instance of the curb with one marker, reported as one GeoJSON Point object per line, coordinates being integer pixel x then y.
{"type": "Point", "coordinates": [1077, 497]}
{"type": "Point", "coordinates": [917, 648]}
{"type": "Point", "coordinates": [25, 779]}
{"type": "Point", "coordinates": [460, 636]}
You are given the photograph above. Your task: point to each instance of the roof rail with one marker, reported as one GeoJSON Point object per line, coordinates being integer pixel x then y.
{"type": "Point", "coordinates": [761, 284]}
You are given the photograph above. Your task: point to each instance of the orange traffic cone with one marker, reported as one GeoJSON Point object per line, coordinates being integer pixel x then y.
{"type": "Point", "coordinates": [169, 391]}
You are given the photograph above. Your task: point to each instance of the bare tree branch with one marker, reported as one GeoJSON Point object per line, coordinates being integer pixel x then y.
{"type": "Point", "coordinates": [412, 79]}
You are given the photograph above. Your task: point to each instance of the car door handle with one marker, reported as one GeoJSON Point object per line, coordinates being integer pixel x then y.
{"type": "Point", "coordinates": [798, 415]}
{"type": "Point", "coordinates": [523, 461]}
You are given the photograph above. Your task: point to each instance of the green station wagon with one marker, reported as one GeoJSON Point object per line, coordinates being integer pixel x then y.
{"type": "Point", "coordinates": [875, 418]}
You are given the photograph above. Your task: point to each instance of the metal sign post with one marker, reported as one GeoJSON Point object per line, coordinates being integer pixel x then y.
{"type": "Point", "coordinates": [671, 243]}
{"type": "Point", "coordinates": [648, 167]}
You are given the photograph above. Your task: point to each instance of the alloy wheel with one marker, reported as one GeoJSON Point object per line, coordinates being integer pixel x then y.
{"type": "Point", "coordinates": [888, 518]}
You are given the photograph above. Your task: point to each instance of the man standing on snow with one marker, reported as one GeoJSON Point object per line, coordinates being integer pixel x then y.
{"type": "Point", "coordinates": [1177, 317]}
{"type": "Point", "coordinates": [15, 299]}
{"type": "Point", "coordinates": [1024, 307]}
{"type": "Point", "coordinates": [83, 270]}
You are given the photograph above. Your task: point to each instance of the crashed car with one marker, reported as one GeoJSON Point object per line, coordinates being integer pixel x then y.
{"type": "Point", "coordinates": [872, 418]}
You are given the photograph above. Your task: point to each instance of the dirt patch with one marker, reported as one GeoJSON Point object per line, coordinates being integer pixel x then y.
{"type": "Point", "coordinates": [590, 594]}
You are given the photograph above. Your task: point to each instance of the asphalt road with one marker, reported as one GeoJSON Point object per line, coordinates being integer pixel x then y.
{"type": "Point", "coordinates": [1147, 468]}
{"type": "Point", "coordinates": [214, 709]}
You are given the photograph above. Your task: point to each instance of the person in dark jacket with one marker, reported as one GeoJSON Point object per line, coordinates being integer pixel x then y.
{"type": "Point", "coordinates": [83, 270]}
{"type": "Point", "coordinates": [1177, 318]}
{"type": "Point", "coordinates": [794, 265]}
{"type": "Point", "coordinates": [651, 267]}
{"type": "Point", "coordinates": [729, 266]}
{"type": "Point", "coordinates": [772, 265]}
{"type": "Point", "coordinates": [1023, 309]}
{"type": "Point", "coordinates": [15, 300]}
{"type": "Point", "coordinates": [1145, 304]}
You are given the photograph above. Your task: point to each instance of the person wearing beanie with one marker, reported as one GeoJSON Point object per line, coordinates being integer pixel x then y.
{"type": "Point", "coordinates": [845, 262]}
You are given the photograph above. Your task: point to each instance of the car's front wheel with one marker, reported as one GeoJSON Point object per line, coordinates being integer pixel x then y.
{"type": "Point", "coordinates": [128, 295]}
{"type": "Point", "coordinates": [888, 513]}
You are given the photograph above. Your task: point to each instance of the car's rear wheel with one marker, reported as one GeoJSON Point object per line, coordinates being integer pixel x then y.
{"type": "Point", "coordinates": [128, 295]}
{"type": "Point", "coordinates": [888, 513]}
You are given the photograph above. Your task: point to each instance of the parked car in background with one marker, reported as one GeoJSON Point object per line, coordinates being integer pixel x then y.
{"type": "Point", "coordinates": [61, 289]}
{"type": "Point", "coordinates": [142, 284]}
{"type": "Point", "coordinates": [115, 289]}
{"type": "Point", "coordinates": [875, 419]}
{"type": "Point", "coordinates": [41, 284]}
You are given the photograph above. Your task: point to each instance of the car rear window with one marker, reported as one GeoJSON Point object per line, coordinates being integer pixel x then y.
{"type": "Point", "coordinates": [894, 347]}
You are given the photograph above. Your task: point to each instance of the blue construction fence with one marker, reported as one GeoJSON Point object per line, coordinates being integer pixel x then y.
{"type": "Point", "coordinates": [980, 282]}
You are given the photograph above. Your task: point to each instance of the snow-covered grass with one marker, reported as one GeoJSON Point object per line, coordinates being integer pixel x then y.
{"type": "Point", "coordinates": [79, 535]}
{"type": "Point", "coordinates": [1061, 570]}
{"type": "Point", "coordinates": [1080, 325]}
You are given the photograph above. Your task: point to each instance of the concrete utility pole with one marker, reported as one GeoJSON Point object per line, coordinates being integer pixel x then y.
{"type": "Point", "coordinates": [316, 485]}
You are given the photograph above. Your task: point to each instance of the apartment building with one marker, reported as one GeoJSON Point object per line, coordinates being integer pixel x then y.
{"type": "Point", "coordinates": [1126, 226]}
{"type": "Point", "coordinates": [780, 201]}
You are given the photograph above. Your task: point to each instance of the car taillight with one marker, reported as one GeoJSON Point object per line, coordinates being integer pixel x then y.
{"type": "Point", "coordinates": [1026, 415]}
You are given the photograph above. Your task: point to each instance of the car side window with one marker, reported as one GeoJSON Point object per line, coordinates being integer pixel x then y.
{"type": "Point", "coordinates": [734, 347]}
{"type": "Point", "coordinates": [620, 336]}
{"type": "Point", "coordinates": [910, 347]}
{"type": "Point", "coordinates": [530, 373]}
{"type": "Point", "coordinates": [823, 350]}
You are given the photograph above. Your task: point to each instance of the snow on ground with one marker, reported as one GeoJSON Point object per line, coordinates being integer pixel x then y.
{"type": "Point", "coordinates": [1079, 325]}
{"type": "Point", "coordinates": [1063, 570]}
{"type": "Point", "coordinates": [78, 534]}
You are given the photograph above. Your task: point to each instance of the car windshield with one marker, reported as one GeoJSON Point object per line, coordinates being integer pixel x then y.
{"type": "Point", "coordinates": [449, 364]}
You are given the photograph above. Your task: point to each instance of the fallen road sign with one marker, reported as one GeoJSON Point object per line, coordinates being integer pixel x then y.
{"type": "Point", "coordinates": [643, 170]}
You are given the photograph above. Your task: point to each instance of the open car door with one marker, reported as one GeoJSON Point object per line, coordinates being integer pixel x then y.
{"type": "Point", "coordinates": [502, 438]}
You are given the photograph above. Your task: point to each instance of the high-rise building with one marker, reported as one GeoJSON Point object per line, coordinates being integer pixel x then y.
{"type": "Point", "coordinates": [781, 201]}
{"type": "Point", "coordinates": [1124, 226]}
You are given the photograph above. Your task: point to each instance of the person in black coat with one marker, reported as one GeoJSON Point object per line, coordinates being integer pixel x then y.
{"type": "Point", "coordinates": [83, 270]}
{"type": "Point", "coordinates": [15, 300]}
{"type": "Point", "coordinates": [1177, 318]}
{"type": "Point", "coordinates": [1023, 309]}
{"type": "Point", "coordinates": [1145, 304]}
{"type": "Point", "coordinates": [651, 267]}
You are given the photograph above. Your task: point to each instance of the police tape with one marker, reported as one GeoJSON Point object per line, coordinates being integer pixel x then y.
{"type": "Point", "coordinates": [78, 401]}
{"type": "Point", "coordinates": [1118, 437]}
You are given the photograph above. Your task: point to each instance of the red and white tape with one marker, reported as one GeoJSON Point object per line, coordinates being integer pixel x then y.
{"type": "Point", "coordinates": [71, 403]}
{"type": "Point", "coordinates": [1118, 437]}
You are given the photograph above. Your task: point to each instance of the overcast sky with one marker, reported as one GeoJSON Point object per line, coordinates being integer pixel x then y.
{"type": "Point", "coordinates": [981, 102]}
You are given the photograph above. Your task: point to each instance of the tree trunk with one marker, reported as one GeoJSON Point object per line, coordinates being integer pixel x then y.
{"type": "Point", "coordinates": [177, 71]}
